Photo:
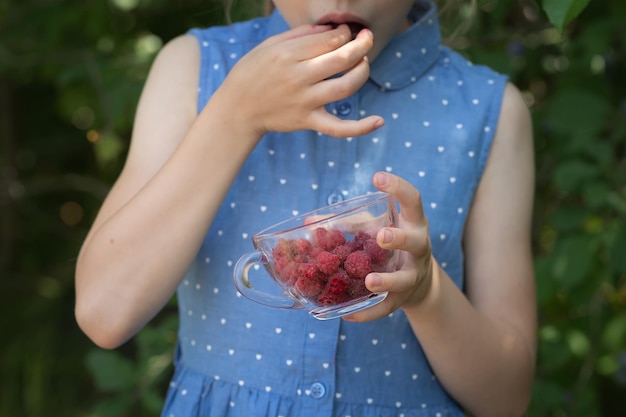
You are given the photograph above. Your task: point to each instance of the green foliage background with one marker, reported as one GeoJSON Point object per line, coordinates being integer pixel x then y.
{"type": "Point", "coordinates": [70, 75]}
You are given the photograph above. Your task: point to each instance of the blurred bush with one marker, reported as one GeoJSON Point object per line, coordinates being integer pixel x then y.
{"type": "Point", "coordinates": [70, 76]}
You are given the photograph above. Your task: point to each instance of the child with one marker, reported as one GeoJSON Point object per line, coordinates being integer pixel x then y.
{"type": "Point", "coordinates": [240, 127]}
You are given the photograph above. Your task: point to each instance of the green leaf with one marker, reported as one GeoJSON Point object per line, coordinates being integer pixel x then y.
{"type": "Point", "coordinates": [108, 149]}
{"type": "Point", "coordinates": [578, 112]}
{"type": "Point", "coordinates": [546, 287]}
{"type": "Point", "coordinates": [111, 371]}
{"type": "Point", "coordinates": [607, 364]}
{"type": "Point", "coordinates": [618, 252]}
{"type": "Point", "coordinates": [572, 174]}
{"type": "Point", "coordinates": [568, 218]}
{"type": "Point", "coordinates": [117, 406]}
{"type": "Point", "coordinates": [152, 400]}
{"type": "Point", "coordinates": [494, 59]}
{"type": "Point", "coordinates": [614, 334]}
{"type": "Point", "coordinates": [596, 194]}
{"type": "Point", "coordinates": [547, 393]}
{"type": "Point", "coordinates": [578, 342]}
{"type": "Point", "coordinates": [600, 151]}
{"type": "Point", "coordinates": [553, 355]}
{"type": "Point", "coordinates": [573, 260]}
{"type": "Point", "coordinates": [562, 12]}
{"type": "Point", "coordinates": [155, 339]}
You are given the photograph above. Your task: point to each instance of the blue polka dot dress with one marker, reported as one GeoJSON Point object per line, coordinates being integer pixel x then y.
{"type": "Point", "coordinates": [236, 358]}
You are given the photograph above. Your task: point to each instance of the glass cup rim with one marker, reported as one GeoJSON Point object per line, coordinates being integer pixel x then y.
{"type": "Point", "coordinates": [371, 198]}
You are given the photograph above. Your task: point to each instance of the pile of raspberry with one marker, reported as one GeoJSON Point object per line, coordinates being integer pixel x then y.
{"type": "Point", "coordinates": [329, 269]}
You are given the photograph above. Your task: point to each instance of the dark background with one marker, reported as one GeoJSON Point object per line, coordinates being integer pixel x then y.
{"type": "Point", "coordinates": [70, 75]}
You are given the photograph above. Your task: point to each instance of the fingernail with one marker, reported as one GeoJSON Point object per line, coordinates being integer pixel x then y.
{"type": "Point", "coordinates": [381, 178]}
{"type": "Point", "coordinates": [374, 281]}
{"type": "Point", "coordinates": [387, 236]}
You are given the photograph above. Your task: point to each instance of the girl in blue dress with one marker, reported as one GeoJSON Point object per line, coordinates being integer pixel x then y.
{"type": "Point", "coordinates": [242, 126]}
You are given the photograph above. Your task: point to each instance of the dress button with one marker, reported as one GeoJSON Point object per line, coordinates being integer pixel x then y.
{"type": "Point", "coordinates": [343, 108]}
{"type": "Point", "coordinates": [318, 390]}
{"type": "Point", "coordinates": [335, 198]}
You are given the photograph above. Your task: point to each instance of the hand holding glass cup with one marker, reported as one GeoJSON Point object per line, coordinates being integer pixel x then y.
{"type": "Point", "coordinates": [320, 259]}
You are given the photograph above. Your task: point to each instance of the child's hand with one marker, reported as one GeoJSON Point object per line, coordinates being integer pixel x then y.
{"type": "Point", "coordinates": [283, 84]}
{"type": "Point", "coordinates": [411, 282]}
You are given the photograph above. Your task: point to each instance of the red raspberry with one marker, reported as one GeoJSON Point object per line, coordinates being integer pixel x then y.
{"type": "Point", "coordinates": [327, 262]}
{"type": "Point", "coordinates": [357, 288]}
{"type": "Point", "coordinates": [315, 251]}
{"type": "Point", "coordinates": [343, 251]}
{"type": "Point", "coordinates": [315, 267]}
{"type": "Point", "coordinates": [378, 255]}
{"type": "Point", "coordinates": [334, 238]}
{"type": "Point", "coordinates": [358, 264]}
{"type": "Point", "coordinates": [335, 290]}
{"type": "Point", "coordinates": [318, 237]}
{"type": "Point", "coordinates": [284, 250]}
{"type": "Point", "coordinates": [308, 270]}
{"type": "Point", "coordinates": [288, 273]}
{"type": "Point", "coordinates": [309, 287]}
{"type": "Point", "coordinates": [327, 239]}
{"type": "Point", "coordinates": [338, 282]}
{"type": "Point", "coordinates": [303, 246]}
{"type": "Point", "coordinates": [301, 258]}
{"type": "Point", "coordinates": [328, 299]}
{"type": "Point", "coordinates": [359, 240]}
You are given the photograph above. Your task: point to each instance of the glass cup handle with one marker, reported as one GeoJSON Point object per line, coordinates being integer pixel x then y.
{"type": "Point", "coordinates": [245, 287]}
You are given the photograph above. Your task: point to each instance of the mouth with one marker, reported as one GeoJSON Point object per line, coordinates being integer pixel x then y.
{"type": "Point", "coordinates": [355, 24]}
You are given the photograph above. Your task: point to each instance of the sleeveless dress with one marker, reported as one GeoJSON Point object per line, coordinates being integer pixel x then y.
{"type": "Point", "coordinates": [236, 358]}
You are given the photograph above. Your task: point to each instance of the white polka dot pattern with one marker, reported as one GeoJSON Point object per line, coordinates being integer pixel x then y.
{"type": "Point", "coordinates": [236, 357]}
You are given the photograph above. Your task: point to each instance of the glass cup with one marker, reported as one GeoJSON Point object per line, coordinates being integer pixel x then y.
{"type": "Point", "coordinates": [320, 259]}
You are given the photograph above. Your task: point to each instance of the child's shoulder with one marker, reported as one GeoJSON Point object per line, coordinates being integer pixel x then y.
{"type": "Point", "coordinates": [461, 65]}
{"type": "Point", "coordinates": [477, 83]}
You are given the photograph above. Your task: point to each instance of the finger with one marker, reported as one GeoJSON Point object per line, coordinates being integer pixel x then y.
{"type": "Point", "coordinates": [343, 58]}
{"type": "Point", "coordinates": [307, 42]}
{"type": "Point", "coordinates": [334, 89]}
{"type": "Point", "coordinates": [330, 125]}
{"type": "Point", "coordinates": [407, 195]}
{"type": "Point", "coordinates": [350, 224]}
{"type": "Point", "coordinates": [297, 32]}
{"type": "Point", "coordinates": [415, 241]}
{"type": "Point", "coordinates": [401, 280]}
{"type": "Point", "coordinates": [395, 283]}
{"type": "Point", "coordinates": [314, 219]}
{"type": "Point", "coordinates": [375, 312]}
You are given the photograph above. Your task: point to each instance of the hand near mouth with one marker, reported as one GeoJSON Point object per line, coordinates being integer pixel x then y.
{"type": "Point", "coordinates": [355, 24]}
{"type": "Point", "coordinates": [284, 83]}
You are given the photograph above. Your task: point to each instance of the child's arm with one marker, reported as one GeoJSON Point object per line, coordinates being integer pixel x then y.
{"type": "Point", "coordinates": [481, 345]}
{"type": "Point", "coordinates": [181, 165]}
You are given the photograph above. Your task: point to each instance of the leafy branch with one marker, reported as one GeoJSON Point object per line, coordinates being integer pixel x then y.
{"type": "Point", "coordinates": [561, 12]}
